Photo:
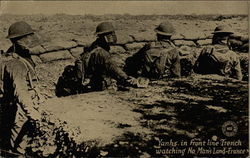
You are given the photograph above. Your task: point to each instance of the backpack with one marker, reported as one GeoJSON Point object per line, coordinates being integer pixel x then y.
{"type": "Point", "coordinates": [207, 63]}
{"type": "Point", "coordinates": [154, 62]}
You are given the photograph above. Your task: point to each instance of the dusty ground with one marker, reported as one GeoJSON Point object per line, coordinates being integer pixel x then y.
{"type": "Point", "coordinates": [131, 123]}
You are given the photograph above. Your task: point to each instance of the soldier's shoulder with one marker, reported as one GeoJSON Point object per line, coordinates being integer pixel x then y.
{"type": "Point", "coordinates": [207, 49]}
{"type": "Point", "coordinates": [15, 62]}
{"type": "Point", "coordinates": [173, 52]}
{"type": "Point", "coordinates": [99, 50]}
{"type": "Point", "coordinates": [221, 47]}
{"type": "Point", "coordinates": [155, 45]}
{"type": "Point", "coordinates": [224, 49]}
{"type": "Point", "coordinates": [168, 47]}
{"type": "Point", "coordinates": [233, 54]}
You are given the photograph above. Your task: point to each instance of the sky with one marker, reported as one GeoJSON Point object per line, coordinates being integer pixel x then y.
{"type": "Point", "coordinates": [121, 7]}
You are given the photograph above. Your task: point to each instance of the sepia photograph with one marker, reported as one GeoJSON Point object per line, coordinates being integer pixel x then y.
{"type": "Point", "coordinates": [86, 79]}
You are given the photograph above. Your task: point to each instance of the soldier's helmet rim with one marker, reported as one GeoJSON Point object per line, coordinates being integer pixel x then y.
{"type": "Point", "coordinates": [222, 29]}
{"type": "Point", "coordinates": [19, 29]}
{"type": "Point", "coordinates": [104, 27]}
{"type": "Point", "coordinates": [165, 28]}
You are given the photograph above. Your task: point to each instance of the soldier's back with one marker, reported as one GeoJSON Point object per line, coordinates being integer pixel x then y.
{"type": "Point", "coordinates": [158, 47]}
{"type": "Point", "coordinates": [218, 59]}
{"type": "Point", "coordinates": [95, 59]}
{"type": "Point", "coordinates": [155, 60]}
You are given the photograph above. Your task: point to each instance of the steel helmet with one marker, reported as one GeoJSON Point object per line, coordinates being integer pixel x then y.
{"type": "Point", "coordinates": [165, 28]}
{"type": "Point", "coordinates": [223, 29]}
{"type": "Point", "coordinates": [104, 27]}
{"type": "Point", "coordinates": [18, 29]}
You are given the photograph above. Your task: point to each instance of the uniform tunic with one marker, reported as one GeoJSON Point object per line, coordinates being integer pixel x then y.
{"type": "Point", "coordinates": [97, 64]}
{"type": "Point", "coordinates": [20, 100]}
{"type": "Point", "coordinates": [218, 59]}
{"type": "Point", "coordinates": [155, 60]}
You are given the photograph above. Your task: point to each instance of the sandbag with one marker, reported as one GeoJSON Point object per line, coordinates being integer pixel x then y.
{"type": "Point", "coordinates": [57, 55]}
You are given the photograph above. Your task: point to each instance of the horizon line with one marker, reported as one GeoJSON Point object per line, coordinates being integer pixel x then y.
{"type": "Point", "coordinates": [181, 14]}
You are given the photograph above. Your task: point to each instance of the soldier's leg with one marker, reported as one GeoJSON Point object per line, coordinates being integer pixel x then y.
{"type": "Point", "coordinates": [21, 141]}
{"type": "Point", "coordinates": [6, 124]}
{"type": "Point", "coordinates": [5, 136]}
{"type": "Point", "coordinates": [18, 131]}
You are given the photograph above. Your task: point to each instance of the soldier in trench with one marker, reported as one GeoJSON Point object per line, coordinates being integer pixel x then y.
{"type": "Point", "coordinates": [96, 64]}
{"type": "Point", "coordinates": [156, 60]}
{"type": "Point", "coordinates": [21, 98]}
{"type": "Point", "coordinates": [218, 58]}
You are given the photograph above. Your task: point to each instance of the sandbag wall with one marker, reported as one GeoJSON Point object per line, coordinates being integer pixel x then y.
{"type": "Point", "coordinates": [127, 45]}
{"type": "Point", "coordinates": [60, 50]}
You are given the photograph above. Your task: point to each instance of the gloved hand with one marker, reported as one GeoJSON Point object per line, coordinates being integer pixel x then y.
{"type": "Point", "coordinates": [132, 81]}
{"type": "Point", "coordinates": [139, 82]}
{"type": "Point", "coordinates": [142, 82]}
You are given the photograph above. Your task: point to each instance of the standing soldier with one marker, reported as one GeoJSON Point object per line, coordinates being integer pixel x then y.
{"type": "Point", "coordinates": [97, 64]}
{"type": "Point", "coordinates": [20, 96]}
{"type": "Point", "coordinates": [158, 59]}
{"type": "Point", "coordinates": [218, 58]}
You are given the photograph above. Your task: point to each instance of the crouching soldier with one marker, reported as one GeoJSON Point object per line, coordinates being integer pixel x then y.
{"type": "Point", "coordinates": [158, 59]}
{"type": "Point", "coordinates": [218, 58]}
{"type": "Point", "coordinates": [20, 95]}
{"type": "Point", "coordinates": [96, 63]}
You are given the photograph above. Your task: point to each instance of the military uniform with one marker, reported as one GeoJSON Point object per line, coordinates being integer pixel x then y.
{"type": "Point", "coordinates": [218, 59]}
{"type": "Point", "coordinates": [155, 60]}
{"type": "Point", "coordinates": [20, 100]}
{"type": "Point", "coordinates": [97, 64]}
{"type": "Point", "coordinates": [19, 82]}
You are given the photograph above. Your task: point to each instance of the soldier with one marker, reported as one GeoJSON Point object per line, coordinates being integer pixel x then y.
{"type": "Point", "coordinates": [20, 95]}
{"type": "Point", "coordinates": [158, 59]}
{"type": "Point", "coordinates": [96, 63]}
{"type": "Point", "coordinates": [218, 58]}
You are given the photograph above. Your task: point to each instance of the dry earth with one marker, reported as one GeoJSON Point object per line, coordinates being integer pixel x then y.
{"type": "Point", "coordinates": [131, 123]}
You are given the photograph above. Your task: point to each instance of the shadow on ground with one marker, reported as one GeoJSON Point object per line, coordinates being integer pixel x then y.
{"type": "Point", "coordinates": [189, 108]}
